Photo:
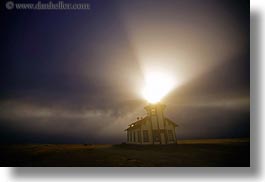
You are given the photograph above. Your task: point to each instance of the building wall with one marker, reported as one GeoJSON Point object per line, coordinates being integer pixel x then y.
{"type": "Point", "coordinates": [170, 126]}
{"type": "Point", "coordinates": [147, 126]}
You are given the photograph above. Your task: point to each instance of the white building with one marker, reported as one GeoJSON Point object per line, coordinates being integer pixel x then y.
{"type": "Point", "coordinates": [153, 128]}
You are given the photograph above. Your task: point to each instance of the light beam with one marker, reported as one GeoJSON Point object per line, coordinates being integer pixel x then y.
{"type": "Point", "coordinates": [157, 85]}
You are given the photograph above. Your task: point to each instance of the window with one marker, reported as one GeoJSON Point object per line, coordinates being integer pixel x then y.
{"type": "Point", "coordinates": [130, 136]}
{"type": "Point", "coordinates": [153, 111]}
{"type": "Point", "coordinates": [145, 135]}
{"type": "Point", "coordinates": [134, 136]}
{"type": "Point", "coordinates": [156, 136]}
{"type": "Point", "coordinates": [170, 135]}
{"type": "Point", "coordinates": [139, 136]}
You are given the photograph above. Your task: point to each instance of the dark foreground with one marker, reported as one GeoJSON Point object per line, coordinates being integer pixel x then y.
{"type": "Point", "coordinates": [219, 154]}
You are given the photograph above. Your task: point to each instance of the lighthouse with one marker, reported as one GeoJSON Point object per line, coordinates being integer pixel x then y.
{"type": "Point", "coordinates": [154, 128]}
{"type": "Point", "coordinates": [157, 120]}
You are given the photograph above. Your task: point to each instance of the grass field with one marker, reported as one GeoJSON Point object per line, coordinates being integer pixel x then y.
{"type": "Point", "coordinates": [216, 153]}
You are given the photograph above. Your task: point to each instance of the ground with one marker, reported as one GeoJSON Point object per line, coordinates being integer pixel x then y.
{"type": "Point", "coordinates": [216, 153]}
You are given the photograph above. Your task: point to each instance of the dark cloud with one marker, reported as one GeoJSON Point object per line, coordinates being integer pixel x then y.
{"type": "Point", "coordinates": [63, 123]}
{"type": "Point", "coordinates": [228, 80]}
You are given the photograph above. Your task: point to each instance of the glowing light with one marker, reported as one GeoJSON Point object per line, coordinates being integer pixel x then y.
{"type": "Point", "coordinates": [157, 85]}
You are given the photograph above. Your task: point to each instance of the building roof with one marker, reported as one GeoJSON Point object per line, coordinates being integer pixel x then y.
{"type": "Point", "coordinates": [172, 122]}
{"type": "Point", "coordinates": [139, 122]}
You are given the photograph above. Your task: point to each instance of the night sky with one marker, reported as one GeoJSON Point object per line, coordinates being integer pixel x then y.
{"type": "Point", "coordinates": [75, 76]}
